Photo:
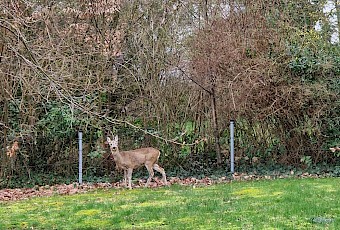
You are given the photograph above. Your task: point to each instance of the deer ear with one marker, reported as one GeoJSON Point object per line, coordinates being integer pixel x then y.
{"type": "Point", "coordinates": [108, 139]}
{"type": "Point", "coordinates": [116, 138]}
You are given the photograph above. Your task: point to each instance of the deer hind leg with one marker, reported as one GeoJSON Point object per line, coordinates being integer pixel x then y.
{"type": "Point", "coordinates": [160, 170]}
{"type": "Point", "coordinates": [151, 174]}
{"type": "Point", "coordinates": [129, 176]}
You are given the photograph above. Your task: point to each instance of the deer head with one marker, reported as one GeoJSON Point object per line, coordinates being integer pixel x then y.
{"type": "Point", "coordinates": [113, 143]}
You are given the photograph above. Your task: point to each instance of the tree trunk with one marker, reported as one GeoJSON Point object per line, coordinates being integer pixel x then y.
{"type": "Point", "coordinates": [215, 124]}
{"type": "Point", "coordinates": [4, 115]}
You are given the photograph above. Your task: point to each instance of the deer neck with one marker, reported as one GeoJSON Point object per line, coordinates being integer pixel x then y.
{"type": "Point", "coordinates": [116, 155]}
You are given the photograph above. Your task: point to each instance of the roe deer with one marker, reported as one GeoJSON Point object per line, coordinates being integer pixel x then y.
{"type": "Point", "coordinates": [129, 160]}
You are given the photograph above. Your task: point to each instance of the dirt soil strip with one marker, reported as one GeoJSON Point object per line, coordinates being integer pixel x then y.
{"type": "Point", "coordinates": [64, 189]}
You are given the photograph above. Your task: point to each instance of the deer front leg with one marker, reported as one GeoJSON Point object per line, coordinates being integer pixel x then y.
{"type": "Point", "coordinates": [125, 178]}
{"type": "Point", "coordinates": [129, 175]}
{"type": "Point", "coordinates": [151, 174]}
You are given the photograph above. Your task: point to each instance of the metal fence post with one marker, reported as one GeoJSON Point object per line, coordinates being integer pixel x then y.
{"type": "Point", "coordinates": [80, 141]}
{"type": "Point", "coordinates": [232, 153]}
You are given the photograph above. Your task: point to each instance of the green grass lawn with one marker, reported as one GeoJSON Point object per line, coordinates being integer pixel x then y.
{"type": "Point", "coordinates": [266, 204]}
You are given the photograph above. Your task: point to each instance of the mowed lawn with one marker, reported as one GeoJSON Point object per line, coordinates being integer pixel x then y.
{"type": "Point", "coordinates": [264, 204]}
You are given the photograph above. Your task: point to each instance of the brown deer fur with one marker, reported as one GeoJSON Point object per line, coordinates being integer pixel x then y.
{"type": "Point", "coordinates": [132, 159]}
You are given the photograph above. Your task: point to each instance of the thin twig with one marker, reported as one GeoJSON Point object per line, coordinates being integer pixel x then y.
{"type": "Point", "coordinates": [60, 90]}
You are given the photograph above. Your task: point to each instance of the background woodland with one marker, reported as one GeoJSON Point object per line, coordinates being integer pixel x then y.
{"type": "Point", "coordinates": [168, 74]}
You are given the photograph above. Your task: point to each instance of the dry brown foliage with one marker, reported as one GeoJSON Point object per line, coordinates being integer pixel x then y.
{"type": "Point", "coordinates": [160, 66]}
{"type": "Point", "coordinates": [11, 151]}
{"type": "Point", "coordinates": [230, 55]}
{"type": "Point", "coordinates": [241, 58]}
{"type": "Point", "coordinates": [54, 53]}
